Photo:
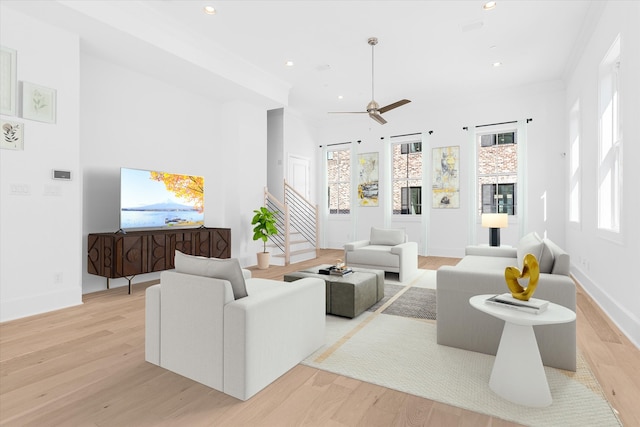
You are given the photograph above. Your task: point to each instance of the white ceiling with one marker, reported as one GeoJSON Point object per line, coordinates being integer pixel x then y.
{"type": "Point", "coordinates": [427, 51]}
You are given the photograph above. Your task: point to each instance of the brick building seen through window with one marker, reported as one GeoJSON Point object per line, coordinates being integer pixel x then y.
{"type": "Point", "coordinates": [407, 178]}
{"type": "Point", "coordinates": [339, 181]}
{"type": "Point", "coordinates": [498, 173]}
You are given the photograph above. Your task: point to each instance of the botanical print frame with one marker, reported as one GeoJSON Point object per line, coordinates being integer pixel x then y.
{"type": "Point", "coordinates": [38, 103]}
{"type": "Point", "coordinates": [12, 135]}
{"type": "Point", "coordinates": [446, 183]}
{"type": "Point", "coordinates": [368, 179]}
{"type": "Point", "coordinates": [8, 81]}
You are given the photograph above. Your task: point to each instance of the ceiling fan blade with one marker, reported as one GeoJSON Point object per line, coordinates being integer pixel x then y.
{"type": "Point", "coordinates": [394, 105]}
{"type": "Point", "coordinates": [377, 117]}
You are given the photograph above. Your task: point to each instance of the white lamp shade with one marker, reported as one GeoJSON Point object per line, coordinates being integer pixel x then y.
{"type": "Point", "coordinates": [495, 220]}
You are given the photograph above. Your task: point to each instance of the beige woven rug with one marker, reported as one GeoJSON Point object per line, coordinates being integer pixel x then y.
{"type": "Point", "coordinates": [401, 353]}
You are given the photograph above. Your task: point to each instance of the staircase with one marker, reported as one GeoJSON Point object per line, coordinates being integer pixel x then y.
{"type": "Point", "coordinates": [297, 224]}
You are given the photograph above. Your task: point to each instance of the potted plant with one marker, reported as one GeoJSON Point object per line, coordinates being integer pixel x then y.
{"type": "Point", "coordinates": [265, 226]}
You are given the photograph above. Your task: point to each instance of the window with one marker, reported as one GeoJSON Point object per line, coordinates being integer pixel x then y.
{"type": "Point", "coordinates": [497, 172]}
{"type": "Point", "coordinates": [407, 178]}
{"type": "Point", "coordinates": [610, 142]}
{"type": "Point", "coordinates": [339, 181]}
{"type": "Point", "coordinates": [498, 198]}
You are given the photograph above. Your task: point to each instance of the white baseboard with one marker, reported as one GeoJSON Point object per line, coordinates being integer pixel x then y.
{"type": "Point", "coordinates": [18, 308]}
{"type": "Point", "coordinates": [627, 322]}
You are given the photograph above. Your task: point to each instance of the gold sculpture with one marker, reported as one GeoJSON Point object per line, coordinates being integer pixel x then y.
{"type": "Point", "coordinates": [530, 270]}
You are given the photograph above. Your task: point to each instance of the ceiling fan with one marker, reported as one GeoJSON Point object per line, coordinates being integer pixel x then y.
{"type": "Point", "coordinates": [373, 108]}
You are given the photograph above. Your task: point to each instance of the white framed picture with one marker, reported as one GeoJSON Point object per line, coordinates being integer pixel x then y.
{"type": "Point", "coordinates": [8, 81]}
{"type": "Point", "coordinates": [12, 135]}
{"type": "Point", "coordinates": [38, 103]}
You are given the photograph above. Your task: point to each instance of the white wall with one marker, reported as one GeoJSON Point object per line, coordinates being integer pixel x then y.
{"type": "Point", "coordinates": [132, 120]}
{"type": "Point", "coordinates": [448, 230]}
{"type": "Point", "coordinates": [289, 135]}
{"type": "Point", "coordinates": [275, 152]}
{"type": "Point", "coordinates": [301, 140]}
{"type": "Point", "coordinates": [40, 235]}
{"type": "Point", "coordinates": [606, 268]}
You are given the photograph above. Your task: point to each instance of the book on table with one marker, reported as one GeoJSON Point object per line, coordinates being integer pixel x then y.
{"type": "Point", "coordinates": [533, 305]}
{"type": "Point", "coordinates": [341, 272]}
{"type": "Point", "coordinates": [335, 271]}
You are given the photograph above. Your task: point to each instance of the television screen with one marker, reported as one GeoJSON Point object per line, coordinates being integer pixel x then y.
{"type": "Point", "coordinates": [153, 199]}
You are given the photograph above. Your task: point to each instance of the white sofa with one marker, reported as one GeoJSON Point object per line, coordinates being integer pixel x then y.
{"type": "Point", "coordinates": [386, 249]}
{"type": "Point", "coordinates": [196, 328]}
{"type": "Point", "coordinates": [481, 271]}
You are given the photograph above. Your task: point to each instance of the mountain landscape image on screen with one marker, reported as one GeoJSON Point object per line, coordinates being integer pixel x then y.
{"type": "Point", "coordinates": [151, 199]}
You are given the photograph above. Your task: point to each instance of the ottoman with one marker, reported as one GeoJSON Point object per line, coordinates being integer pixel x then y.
{"type": "Point", "coordinates": [349, 295]}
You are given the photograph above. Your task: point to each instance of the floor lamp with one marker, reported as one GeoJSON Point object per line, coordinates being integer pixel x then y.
{"type": "Point", "coordinates": [494, 222]}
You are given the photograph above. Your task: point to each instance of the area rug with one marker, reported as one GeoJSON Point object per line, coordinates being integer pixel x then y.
{"type": "Point", "coordinates": [415, 299]}
{"type": "Point", "coordinates": [401, 353]}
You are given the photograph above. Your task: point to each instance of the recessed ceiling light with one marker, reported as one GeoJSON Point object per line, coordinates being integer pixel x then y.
{"type": "Point", "coordinates": [289, 63]}
{"type": "Point", "coordinates": [497, 64]}
{"type": "Point", "coordinates": [209, 10]}
{"type": "Point", "coordinates": [340, 96]}
{"type": "Point", "coordinates": [489, 5]}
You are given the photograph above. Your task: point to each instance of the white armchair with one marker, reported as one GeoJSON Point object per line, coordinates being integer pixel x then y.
{"type": "Point", "coordinates": [196, 328]}
{"type": "Point", "coordinates": [386, 249]}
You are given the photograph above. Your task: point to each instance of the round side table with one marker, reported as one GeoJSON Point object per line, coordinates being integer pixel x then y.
{"type": "Point", "coordinates": [518, 374]}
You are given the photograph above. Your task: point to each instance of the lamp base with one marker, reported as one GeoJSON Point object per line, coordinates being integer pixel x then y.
{"type": "Point", "coordinates": [494, 237]}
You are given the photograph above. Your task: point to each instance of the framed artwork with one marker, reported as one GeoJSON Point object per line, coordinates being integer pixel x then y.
{"type": "Point", "coordinates": [8, 81]}
{"type": "Point", "coordinates": [446, 183]}
{"type": "Point", "coordinates": [368, 179]}
{"type": "Point", "coordinates": [38, 103]}
{"type": "Point", "coordinates": [12, 135]}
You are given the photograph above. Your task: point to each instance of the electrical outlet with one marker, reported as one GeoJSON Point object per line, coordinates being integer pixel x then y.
{"type": "Point", "coordinates": [57, 278]}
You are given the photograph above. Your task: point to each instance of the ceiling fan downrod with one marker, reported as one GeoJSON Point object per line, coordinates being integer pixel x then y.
{"type": "Point", "coordinates": [372, 42]}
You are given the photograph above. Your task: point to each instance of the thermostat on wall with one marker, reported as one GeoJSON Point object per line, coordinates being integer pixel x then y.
{"type": "Point", "coordinates": [65, 175]}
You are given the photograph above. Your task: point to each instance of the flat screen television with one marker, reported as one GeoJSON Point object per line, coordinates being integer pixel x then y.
{"type": "Point", "coordinates": [156, 200]}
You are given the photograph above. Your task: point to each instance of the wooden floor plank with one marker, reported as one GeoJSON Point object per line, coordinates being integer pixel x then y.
{"type": "Point", "coordinates": [85, 366]}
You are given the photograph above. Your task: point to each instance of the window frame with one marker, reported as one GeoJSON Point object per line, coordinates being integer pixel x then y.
{"type": "Point", "coordinates": [610, 144]}
{"type": "Point", "coordinates": [496, 139]}
{"type": "Point", "coordinates": [407, 148]}
{"type": "Point", "coordinates": [341, 182]}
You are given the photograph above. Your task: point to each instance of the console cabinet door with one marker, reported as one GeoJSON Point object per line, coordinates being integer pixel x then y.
{"type": "Point", "coordinates": [123, 255]}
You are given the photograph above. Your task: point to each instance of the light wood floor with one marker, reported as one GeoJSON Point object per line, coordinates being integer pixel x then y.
{"type": "Point", "coordinates": [84, 366]}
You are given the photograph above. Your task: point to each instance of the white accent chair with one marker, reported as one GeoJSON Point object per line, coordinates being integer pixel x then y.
{"type": "Point", "coordinates": [386, 249]}
{"type": "Point", "coordinates": [195, 328]}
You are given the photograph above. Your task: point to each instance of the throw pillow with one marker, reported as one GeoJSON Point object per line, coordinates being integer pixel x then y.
{"type": "Point", "coordinates": [529, 244]}
{"type": "Point", "coordinates": [386, 236]}
{"type": "Point", "coordinates": [546, 258]}
{"type": "Point", "coordinates": [224, 269]}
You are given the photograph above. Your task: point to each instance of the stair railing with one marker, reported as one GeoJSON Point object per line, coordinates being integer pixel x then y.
{"type": "Point", "coordinates": [296, 214]}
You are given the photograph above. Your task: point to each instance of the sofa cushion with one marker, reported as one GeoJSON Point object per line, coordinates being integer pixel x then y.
{"type": "Point", "coordinates": [386, 236]}
{"type": "Point", "coordinates": [379, 255]}
{"type": "Point", "coordinates": [529, 244]}
{"type": "Point", "coordinates": [546, 258]}
{"type": "Point", "coordinates": [561, 259]}
{"type": "Point", "coordinates": [224, 269]}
